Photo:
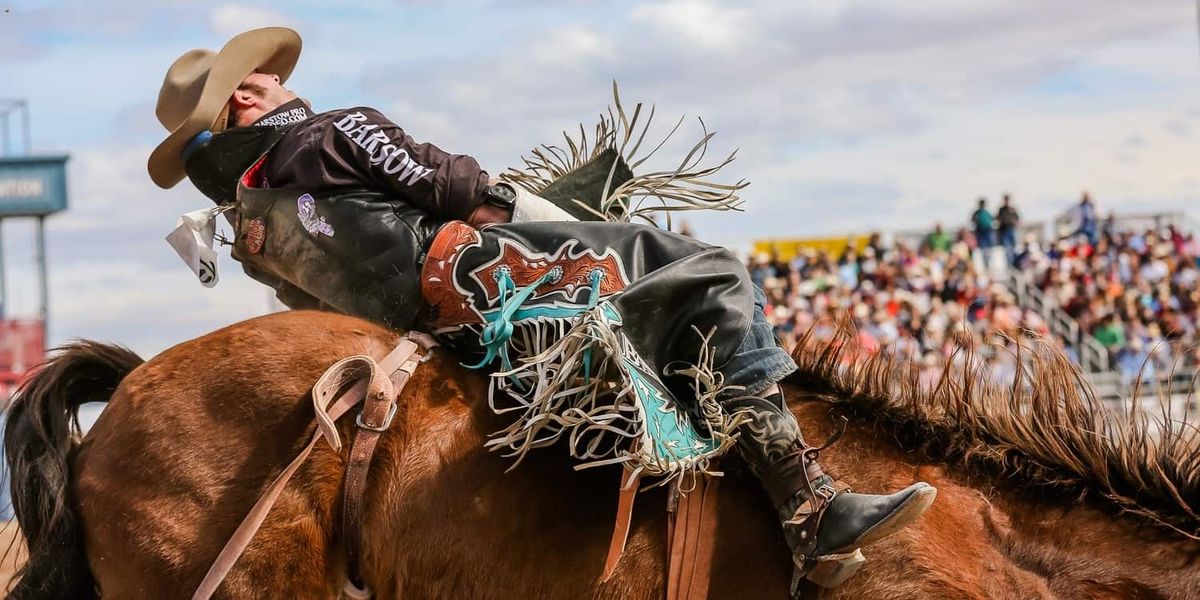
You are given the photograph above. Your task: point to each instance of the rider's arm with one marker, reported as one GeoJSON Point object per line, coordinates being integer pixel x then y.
{"type": "Point", "coordinates": [360, 146]}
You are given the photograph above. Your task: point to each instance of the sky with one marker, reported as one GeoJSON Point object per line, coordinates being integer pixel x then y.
{"type": "Point", "coordinates": [847, 115]}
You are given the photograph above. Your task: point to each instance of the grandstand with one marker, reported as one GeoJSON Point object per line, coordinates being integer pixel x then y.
{"type": "Point", "coordinates": [1122, 298]}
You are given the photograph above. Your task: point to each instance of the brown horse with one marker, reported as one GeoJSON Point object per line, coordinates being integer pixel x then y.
{"type": "Point", "coordinates": [1040, 494]}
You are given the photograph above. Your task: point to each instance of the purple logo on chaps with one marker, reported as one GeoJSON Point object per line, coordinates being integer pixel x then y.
{"type": "Point", "coordinates": [312, 222]}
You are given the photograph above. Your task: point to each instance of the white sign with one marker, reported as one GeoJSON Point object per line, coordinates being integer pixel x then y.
{"type": "Point", "coordinates": [21, 188]}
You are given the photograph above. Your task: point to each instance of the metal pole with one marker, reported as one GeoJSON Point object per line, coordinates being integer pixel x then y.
{"type": "Point", "coordinates": [4, 132]}
{"type": "Point", "coordinates": [3, 289]}
{"type": "Point", "coordinates": [25, 128]}
{"type": "Point", "coordinates": [41, 260]}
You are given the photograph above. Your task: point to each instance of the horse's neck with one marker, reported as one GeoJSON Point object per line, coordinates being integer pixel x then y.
{"type": "Point", "coordinates": [453, 523]}
{"type": "Point", "coordinates": [1086, 550]}
{"type": "Point", "coordinates": [1002, 541]}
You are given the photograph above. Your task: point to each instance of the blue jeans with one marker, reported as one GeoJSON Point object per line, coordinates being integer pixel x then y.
{"type": "Point", "coordinates": [759, 361]}
{"type": "Point", "coordinates": [1008, 238]}
{"type": "Point", "coordinates": [1088, 229]}
{"type": "Point", "coordinates": [986, 238]}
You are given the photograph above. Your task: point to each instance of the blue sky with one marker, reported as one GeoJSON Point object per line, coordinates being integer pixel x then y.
{"type": "Point", "coordinates": [849, 115]}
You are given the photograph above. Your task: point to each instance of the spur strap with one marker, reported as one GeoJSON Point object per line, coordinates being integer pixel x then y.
{"type": "Point", "coordinates": [807, 518]}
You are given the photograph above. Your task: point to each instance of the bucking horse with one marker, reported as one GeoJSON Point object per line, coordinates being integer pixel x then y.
{"type": "Point", "coordinates": [1042, 492]}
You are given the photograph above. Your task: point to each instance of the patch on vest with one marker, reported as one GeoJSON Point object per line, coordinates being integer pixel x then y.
{"type": "Point", "coordinates": [256, 234]}
{"type": "Point", "coordinates": [312, 222]}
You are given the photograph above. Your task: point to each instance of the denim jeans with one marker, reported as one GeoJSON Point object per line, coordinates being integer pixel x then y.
{"type": "Point", "coordinates": [759, 361]}
{"type": "Point", "coordinates": [986, 238]}
{"type": "Point", "coordinates": [1008, 239]}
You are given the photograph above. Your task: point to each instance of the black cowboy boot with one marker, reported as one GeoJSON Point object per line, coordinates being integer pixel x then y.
{"type": "Point", "coordinates": [824, 523]}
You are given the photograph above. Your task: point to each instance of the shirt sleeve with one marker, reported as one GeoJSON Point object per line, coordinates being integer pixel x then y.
{"type": "Point", "coordinates": [361, 146]}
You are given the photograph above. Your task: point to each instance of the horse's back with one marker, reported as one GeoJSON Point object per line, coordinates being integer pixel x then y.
{"type": "Point", "coordinates": [192, 438]}
{"type": "Point", "coordinates": [189, 441]}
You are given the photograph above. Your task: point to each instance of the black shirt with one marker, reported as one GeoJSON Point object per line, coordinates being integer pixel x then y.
{"type": "Point", "coordinates": [359, 147]}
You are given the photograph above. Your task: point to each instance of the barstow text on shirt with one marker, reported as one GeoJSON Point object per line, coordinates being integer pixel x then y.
{"type": "Point", "coordinates": [382, 150]}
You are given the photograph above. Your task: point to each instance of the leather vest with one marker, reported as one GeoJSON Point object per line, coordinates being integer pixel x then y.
{"type": "Point", "coordinates": [357, 251]}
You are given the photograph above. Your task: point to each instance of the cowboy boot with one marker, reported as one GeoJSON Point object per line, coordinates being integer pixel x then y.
{"type": "Point", "coordinates": [824, 523]}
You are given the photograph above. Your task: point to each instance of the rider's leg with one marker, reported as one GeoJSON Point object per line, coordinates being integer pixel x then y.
{"type": "Point", "coordinates": [819, 517]}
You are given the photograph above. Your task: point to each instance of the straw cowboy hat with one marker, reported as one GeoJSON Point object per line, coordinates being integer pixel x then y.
{"type": "Point", "coordinates": [196, 91]}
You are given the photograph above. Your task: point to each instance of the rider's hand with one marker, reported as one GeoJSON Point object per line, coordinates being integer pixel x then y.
{"type": "Point", "coordinates": [487, 213]}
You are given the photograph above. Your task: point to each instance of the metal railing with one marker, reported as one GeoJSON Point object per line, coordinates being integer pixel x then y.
{"type": "Point", "coordinates": [1172, 393]}
{"type": "Point", "coordinates": [1093, 356]}
{"type": "Point", "coordinates": [1068, 220]}
{"type": "Point", "coordinates": [915, 238]}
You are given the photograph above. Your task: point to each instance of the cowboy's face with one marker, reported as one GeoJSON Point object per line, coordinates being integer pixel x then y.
{"type": "Point", "coordinates": [259, 94]}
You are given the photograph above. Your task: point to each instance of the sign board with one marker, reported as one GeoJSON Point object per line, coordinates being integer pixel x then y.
{"type": "Point", "coordinates": [22, 346]}
{"type": "Point", "coordinates": [787, 249]}
{"type": "Point", "coordinates": [32, 186]}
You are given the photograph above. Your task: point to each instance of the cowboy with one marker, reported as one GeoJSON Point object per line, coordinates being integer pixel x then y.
{"type": "Point", "coordinates": [344, 210]}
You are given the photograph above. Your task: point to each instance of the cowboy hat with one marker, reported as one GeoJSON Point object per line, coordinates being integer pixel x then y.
{"type": "Point", "coordinates": [198, 85]}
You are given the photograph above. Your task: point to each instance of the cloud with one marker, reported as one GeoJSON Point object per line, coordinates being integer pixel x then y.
{"type": "Point", "coordinates": [232, 19]}
{"type": "Point", "coordinates": [38, 30]}
{"type": "Point", "coordinates": [1178, 128]}
{"type": "Point", "coordinates": [849, 114]}
{"type": "Point", "coordinates": [1134, 141]}
{"type": "Point", "coordinates": [703, 25]}
{"type": "Point", "coordinates": [572, 46]}
{"type": "Point", "coordinates": [148, 307]}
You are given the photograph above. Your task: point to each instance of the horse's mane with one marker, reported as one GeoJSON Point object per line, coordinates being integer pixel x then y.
{"type": "Point", "coordinates": [1048, 429]}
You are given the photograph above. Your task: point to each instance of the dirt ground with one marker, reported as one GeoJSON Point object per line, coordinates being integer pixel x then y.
{"type": "Point", "coordinates": [8, 531]}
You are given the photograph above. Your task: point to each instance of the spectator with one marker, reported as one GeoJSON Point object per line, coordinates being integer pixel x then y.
{"type": "Point", "coordinates": [761, 269]}
{"type": "Point", "coordinates": [982, 220]}
{"type": "Point", "coordinates": [1137, 291]}
{"type": "Point", "coordinates": [1008, 223]}
{"type": "Point", "coordinates": [1110, 333]}
{"type": "Point", "coordinates": [1109, 228]}
{"type": "Point", "coordinates": [938, 240]}
{"type": "Point", "coordinates": [847, 267]}
{"type": "Point", "coordinates": [1087, 218]}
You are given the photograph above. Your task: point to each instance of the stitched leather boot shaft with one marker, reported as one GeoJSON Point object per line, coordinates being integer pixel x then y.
{"type": "Point", "coordinates": [822, 520]}
{"type": "Point", "coordinates": [771, 444]}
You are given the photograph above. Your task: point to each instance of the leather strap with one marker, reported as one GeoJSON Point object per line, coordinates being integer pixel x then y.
{"type": "Point", "coordinates": [807, 518]}
{"type": "Point", "coordinates": [332, 397]}
{"type": "Point", "coordinates": [375, 418]}
{"type": "Point", "coordinates": [691, 543]}
{"type": "Point", "coordinates": [616, 548]}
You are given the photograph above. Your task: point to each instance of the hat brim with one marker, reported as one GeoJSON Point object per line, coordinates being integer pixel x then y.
{"type": "Point", "coordinates": [272, 50]}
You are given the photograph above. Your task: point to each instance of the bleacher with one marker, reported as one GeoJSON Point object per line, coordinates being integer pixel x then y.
{"type": "Point", "coordinates": [1126, 308]}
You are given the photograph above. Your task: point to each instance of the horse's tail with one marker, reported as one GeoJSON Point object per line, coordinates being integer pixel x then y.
{"type": "Point", "coordinates": [40, 438]}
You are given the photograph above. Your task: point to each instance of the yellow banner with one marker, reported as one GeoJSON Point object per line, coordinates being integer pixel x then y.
{"type": "Point", "coordinates": [787, 249]}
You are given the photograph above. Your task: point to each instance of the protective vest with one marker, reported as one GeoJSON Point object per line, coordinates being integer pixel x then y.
{"type": "Point", "coordinates": [354, 251]}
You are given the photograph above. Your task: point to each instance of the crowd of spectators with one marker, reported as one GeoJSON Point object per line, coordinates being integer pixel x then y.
{"type": "Point", "coordinates": [1135, 291]}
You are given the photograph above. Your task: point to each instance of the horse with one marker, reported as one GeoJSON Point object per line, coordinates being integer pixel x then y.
{"type": "Point", "coordinates": [1041, 494]}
